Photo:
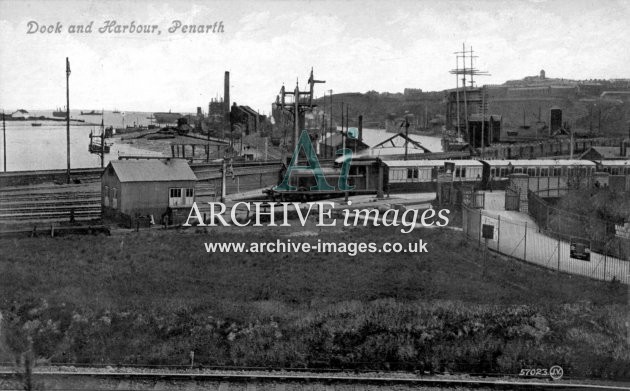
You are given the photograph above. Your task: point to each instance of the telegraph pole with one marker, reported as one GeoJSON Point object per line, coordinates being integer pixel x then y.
{"type": "Point", "coordinates": [4, 141]}
{"type": "Point", "coordinates": [296, 113]}
{"type": "Point", "coordinates": [406, 136]}
{"type": "Point", "coordinates": [483, 120]}
{"type": "Point", "coordinates": [343, 139]}
{"type": "Point", "coordinates": [346, 134]}
{"type": "Point", "coordinates": [331, 115]}
{"type": "Point", "coordinates": [102, 140]}
{"type": "Point", "coordinates": [68, 115]}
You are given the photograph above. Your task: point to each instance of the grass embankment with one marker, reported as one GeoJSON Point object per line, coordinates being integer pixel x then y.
{"type": "Point", "coordinates": [152, 297]}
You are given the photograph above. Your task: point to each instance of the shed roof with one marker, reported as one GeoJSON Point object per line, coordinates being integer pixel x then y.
{"type": "Point", "coordinates": [431, 163]}
{"type": "Point", "coordinates": [152, 170]}
{"type": "Point", "coordinates": [540, 162]}
{"type": "Point", "coordinates": [604, 152]}
{"type": "Point", "coordinates": [615, 163]}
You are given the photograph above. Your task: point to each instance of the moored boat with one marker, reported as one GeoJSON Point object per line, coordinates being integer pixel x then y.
{"type": "Point", "coordinates": [93, 112]}
{"type": "Point", "coordinates": [59, 113]}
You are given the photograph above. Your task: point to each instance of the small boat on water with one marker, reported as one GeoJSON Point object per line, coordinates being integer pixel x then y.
{"type": "Point", "coordinates": [96, 148]}
{"type": "Point", "coordinates": [36, 124]}
{"type": "Point", "coordinates": [93, 112]}
{"type": "Point", "coordinates": [116, 111]}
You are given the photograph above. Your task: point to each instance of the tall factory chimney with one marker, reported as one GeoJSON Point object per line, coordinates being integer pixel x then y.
{"type": "Point", "coordinates": [361, 128]}
{"type": "Point", "coordinates": [226, 99]}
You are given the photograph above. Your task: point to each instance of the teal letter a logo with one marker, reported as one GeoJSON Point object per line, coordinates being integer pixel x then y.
{"type": "Point", "coordinates": [313, 165]}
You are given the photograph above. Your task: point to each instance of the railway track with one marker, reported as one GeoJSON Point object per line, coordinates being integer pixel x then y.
{"type": "Point", "coordinates": [53, 203]}
{"type": "Point", "coordinates": [121, 379]}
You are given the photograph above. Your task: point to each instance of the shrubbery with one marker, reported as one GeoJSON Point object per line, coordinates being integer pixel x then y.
{"type": "Point", "coordinates": [585, 340]}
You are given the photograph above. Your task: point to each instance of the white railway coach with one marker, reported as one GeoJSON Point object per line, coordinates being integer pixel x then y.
{"type": "Point", "coordinates": [498, 169]}
{"type": "Point", "coordinates": [614, 167]}
{"type": "Point", "coordinates": [425, 171]}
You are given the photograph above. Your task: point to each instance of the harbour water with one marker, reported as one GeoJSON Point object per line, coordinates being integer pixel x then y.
{"type": "Point", "coordinates": [44, 147]}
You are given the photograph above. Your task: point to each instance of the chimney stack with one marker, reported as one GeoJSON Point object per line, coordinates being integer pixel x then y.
{"type": "Point", "coordinates": [226, 98]}
{"type": "Point", "coordinates": [361, 128]}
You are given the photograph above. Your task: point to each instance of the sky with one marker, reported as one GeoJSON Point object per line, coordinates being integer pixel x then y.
{"type": "Point", "coordinates": [355, 46]}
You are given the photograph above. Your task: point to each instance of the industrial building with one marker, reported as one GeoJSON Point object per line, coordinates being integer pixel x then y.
{"type": "Point", "coordinates": [152, 189]}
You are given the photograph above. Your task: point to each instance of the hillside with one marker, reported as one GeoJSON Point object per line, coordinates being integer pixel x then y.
{"type": "Point", "coordinates": [519, 102]}
{"type": "Point", "coordinates": [377, 107]}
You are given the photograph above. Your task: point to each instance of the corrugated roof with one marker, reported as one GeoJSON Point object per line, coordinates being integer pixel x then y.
{"type": "Point", "coordinates": [542, 162]}
{"type": "Point", "coordinates": [424, 163]}
{"type": "Point", "coordinates": [389, 151]}
{"type": "Point", "coordinates": [615, 163]}
{"type": "Point", "coordinates": [153, 170]}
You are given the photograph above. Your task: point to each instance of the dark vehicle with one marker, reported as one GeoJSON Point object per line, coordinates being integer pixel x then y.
{"type": "Point", "coordinates": [580, 249]}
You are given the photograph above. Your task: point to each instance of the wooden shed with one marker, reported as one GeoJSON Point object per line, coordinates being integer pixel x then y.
{"type": "Point", "coordinates": [147, 188]}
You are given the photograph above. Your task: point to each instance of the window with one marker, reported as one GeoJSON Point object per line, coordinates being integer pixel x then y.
{"type": "Point", "coordinates": [531, 171]}
{"type": "Point", "coordinates": [460, 172]}
{"type": "Point", "coordinates": [189, 194]}
{"type": "Point", "coordinates": [518, 170]}
{"type": "Point", "coordinates": [492, 172]}
{"type": "Point", "coordinates": [544, 171]}
{"type": "Point", "coordinates": [397, 175]}
{"type": "Point", "coordinates": [106, 196]}
{"type": "Point", "coordinates": [412, 173]}
{"type": "Point", "coordinates": [114, 198]}
{"type": "Point", "coordinates": [175, 197]}
{"type": "Point", "coordinates": [557, 171]}
{"type": "Point", "coordinates": [503, 172]}
{"type": "Point", "coordinates": [176, 193]}
{"type": "Point", "coordinates": [425, 174]}
{"type": "Point", "coordinates": [181, 196]}
{"type": "Point", "coordinates": [615, 171]}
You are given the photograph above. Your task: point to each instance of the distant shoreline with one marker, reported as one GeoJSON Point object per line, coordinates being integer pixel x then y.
{"type": "Point", "coordinates": [42, 118]}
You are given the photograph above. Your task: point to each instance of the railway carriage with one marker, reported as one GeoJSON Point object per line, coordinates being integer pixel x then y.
{"type": "Point", "coordinates": [421, 175]}
{"type": "Point", "coordinates": [549, 173]}
{"type": "Point", "coordinates": [501, 169]}
{"type": "Point", "coordinates": [614, 167]}
{"type": "Point", "coordinates": [616, 174]}
{"type": "Point", "coordinates": [369, 175]}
